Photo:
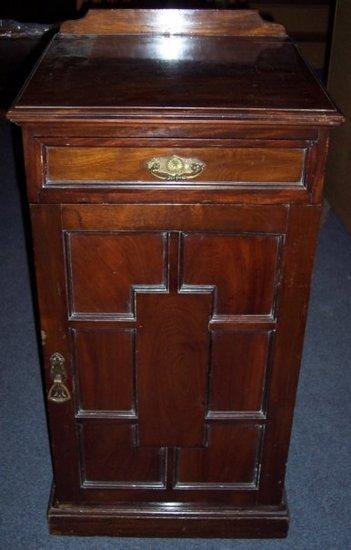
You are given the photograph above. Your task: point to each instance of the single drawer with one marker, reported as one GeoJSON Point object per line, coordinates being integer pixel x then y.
{"type": "Point", "coordinates": [129, 166]}
{"type": "Point", "coordinates": [155, 170]}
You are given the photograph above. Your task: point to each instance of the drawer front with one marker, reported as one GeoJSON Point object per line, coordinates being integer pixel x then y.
{"type": "Point", "coordinates": [179, 170]}
{"type": "Point", "coordinates": [114, 165]}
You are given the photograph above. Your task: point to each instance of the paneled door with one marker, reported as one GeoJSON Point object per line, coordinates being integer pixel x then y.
{"type": "Point", "coordinates": [168, 325]}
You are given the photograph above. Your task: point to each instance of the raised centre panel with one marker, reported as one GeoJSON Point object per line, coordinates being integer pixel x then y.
{"type": "Point", "coordinates": [172, 362]}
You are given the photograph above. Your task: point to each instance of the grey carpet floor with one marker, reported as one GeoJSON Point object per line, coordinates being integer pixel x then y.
{"type": "Point", "coordinates": [318, 480]}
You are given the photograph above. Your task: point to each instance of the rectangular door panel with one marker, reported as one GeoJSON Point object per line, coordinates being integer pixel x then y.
{"type": "Point", "coordinates": [238, 371]}
{"type": "Point", "coordinates": [241, 269]}
{"type": "Point", "coordinates": [105, 373]}
{"type": "Point", "coordinates": [228, 461]}
{"type": "Point", "coordinates": [105, 268]}
{"type": "Point", "coordinates": [112, 457]}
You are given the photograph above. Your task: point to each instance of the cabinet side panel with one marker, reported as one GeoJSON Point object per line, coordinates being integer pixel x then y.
{"type": "Point", "coordinates": [287, 349]}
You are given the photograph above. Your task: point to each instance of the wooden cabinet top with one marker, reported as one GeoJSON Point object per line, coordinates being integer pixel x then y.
{"type": "Point", "coordinates": [199, 64]}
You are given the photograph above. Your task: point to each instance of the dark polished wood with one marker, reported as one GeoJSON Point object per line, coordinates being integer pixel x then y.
{"type": "Point", "coordinates": [177, 299]}
{"type": "Point", "coordinates": [113, 164]}
{"type": "Point", "coordinates": [173, 21]}
{"type": "Point", "coordinates": [164, 75]}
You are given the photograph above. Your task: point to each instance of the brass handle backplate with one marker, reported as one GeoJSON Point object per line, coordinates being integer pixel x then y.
{"type": "Point", "coordinates": [175, 168]}
{"type": "Point", "coordinates": [58, 392]}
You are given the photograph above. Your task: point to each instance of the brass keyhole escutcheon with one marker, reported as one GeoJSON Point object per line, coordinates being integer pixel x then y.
{"type": "Point", "coordinates": [58, 393]}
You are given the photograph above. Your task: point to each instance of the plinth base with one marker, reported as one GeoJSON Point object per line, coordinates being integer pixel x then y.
{"type": "Point", "coordinates": [161, 520]}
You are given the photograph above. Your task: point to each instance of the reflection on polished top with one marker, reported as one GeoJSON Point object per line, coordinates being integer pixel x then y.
{"type": "Point", "coordinates": [140, 74]}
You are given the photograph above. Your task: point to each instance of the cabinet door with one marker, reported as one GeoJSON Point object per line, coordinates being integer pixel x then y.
{"type": "Point", "coordinates": [180, 327]}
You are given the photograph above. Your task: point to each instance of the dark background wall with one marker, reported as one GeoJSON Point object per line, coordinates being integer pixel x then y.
{"type": "Point", "coordinates": [39, 10]}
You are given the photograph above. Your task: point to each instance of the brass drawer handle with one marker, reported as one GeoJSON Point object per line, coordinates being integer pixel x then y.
{"type": "Point", "coordinates": [175, 168]}
{"type": "Point", "coordinates": [58, 392]}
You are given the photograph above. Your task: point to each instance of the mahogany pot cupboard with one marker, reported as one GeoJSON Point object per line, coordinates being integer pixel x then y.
{"type": "Point", "coordinates": [175, 164]}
